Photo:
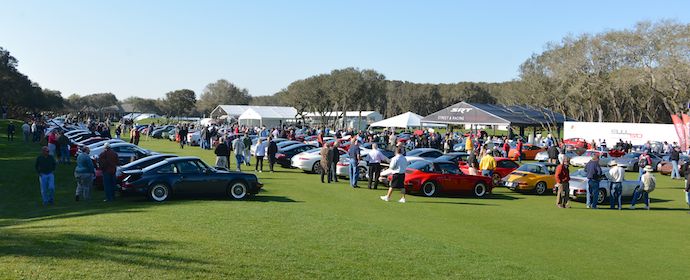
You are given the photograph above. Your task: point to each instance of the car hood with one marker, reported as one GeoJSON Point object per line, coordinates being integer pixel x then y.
{"type": "Point", "coordinates": [581, 159]}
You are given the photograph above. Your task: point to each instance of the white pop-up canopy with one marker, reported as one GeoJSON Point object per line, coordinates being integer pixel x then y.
{"type": "Point", "coordinates": [405, 120]}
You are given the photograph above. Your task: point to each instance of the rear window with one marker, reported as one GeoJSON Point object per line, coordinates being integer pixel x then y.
{"type": "Point", "coordinates": [421, 165]}
{"type": "Point", "coordinates": [532, 168]}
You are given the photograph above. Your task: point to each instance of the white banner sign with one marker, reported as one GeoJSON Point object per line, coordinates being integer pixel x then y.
{"type": "Point", "coordinates": [637, 133]}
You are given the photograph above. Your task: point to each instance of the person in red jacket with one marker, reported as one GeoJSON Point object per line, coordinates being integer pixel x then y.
{"type": "Point", "coordinates": [562, 184]}
{"type": "Point", "coordinates": [518, 150]}
{"type": "Point", "coordinates": [108, 161]}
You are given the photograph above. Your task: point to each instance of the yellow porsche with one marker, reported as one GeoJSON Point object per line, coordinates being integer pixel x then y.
{"type": "Point", "coordinates": [535, 177]}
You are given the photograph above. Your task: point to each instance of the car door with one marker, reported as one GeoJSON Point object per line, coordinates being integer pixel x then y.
{"type": "Point", "coordinates": [192, 179]}
{"type": "Point", "coordinates": [455, 180]}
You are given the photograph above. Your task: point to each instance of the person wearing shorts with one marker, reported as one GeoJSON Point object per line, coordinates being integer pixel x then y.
{"type": "Point", "coordinates": [398, 165]}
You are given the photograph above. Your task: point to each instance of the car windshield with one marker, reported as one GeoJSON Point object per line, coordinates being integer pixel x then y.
{"type": "Point", "coordinates": [531, 168]}
{"type": "Point", "coordinates": [632, 155]}
{"type": "Point", "coordinates": [421, 165]}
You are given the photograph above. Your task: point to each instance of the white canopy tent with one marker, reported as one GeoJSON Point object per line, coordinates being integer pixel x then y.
{"type": "Point", "coordinates": [267, 116]}
{"type": "Point", "coordinates": [405, 120]}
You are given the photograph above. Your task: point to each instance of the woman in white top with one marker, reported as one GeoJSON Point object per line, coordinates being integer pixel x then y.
{"type": "Point", "coordinates": [398, 165]}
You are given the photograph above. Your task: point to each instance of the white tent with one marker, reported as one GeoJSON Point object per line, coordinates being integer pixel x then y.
{"type": "Point", "coordinates": [405, 120]}
{"type": "Point", "coordinates": [267, 116]}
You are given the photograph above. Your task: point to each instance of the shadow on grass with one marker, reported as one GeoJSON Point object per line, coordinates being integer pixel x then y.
{"type": "Point", "coordinates": [122, 251]}
{"type": "Point", "coordinates": [453, 202]}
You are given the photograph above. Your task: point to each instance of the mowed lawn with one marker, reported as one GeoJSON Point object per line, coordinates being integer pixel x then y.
{"type": "Point", "coordinates": [298, 228]}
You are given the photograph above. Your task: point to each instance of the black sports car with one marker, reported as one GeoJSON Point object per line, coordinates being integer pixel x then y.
{"type": "Point", "coordinates": [284, 156]}
{"type": "Point", "coordinates": [188, 175]}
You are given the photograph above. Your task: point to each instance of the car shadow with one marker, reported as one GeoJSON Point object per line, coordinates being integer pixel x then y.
{"type": "Point", "coordinates": [453, 202]}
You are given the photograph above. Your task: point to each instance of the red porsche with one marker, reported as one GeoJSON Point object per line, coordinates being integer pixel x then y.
{"type": "Point", "coordinates": [433, 178]}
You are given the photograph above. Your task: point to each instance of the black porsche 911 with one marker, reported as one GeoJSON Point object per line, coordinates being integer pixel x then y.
{"type": "Point", "coordinates": [188, 175]}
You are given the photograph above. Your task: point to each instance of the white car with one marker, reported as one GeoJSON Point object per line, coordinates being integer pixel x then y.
{"type": "Point", "coordinates": [194, 138]}
{"type": "Point", "coordinates": [582, 160]}
{"type": "Point", "coordinates": [544, 155]}
{"type": "Point", "coordinates": [310, 161]}
{"type": "Point", "coordinates": [579, 186]}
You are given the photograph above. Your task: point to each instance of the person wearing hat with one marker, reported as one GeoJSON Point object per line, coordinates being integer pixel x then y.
{"type": "Point", "coordinates": [615, 175]}
{"type": "Point", "coordinates": [84, 173]}
{"type": "Point", "coordinates": [648, 185]}
{"type": "Point", "coordinates": [355, 157]}
{"type": "Point", "coordinates": [643, 161]}
{"type": "Point", "coordinates": [108, 161]}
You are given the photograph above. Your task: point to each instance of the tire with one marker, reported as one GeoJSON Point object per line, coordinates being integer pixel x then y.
{"type": "Point", "coordinates": [480, 190]}
{"type": "Point", "coordinates": [429, 189]}
{"type": "Point", "coordinates": [316, 168]}
{"type": "Point", "coordinates": [362, 173]}
{"type": "Point", "coordinates": [496, 179]}
{"type": "Point", "coordinates": [540, 188]}
{"type": "Point", "coordinates": [238, 190]}
{"type": "Point", "coordinates": [602, 196]}
{"type": "Point", "coordinates": [159, 193]}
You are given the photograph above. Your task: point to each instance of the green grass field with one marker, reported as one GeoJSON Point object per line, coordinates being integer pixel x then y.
{"type": "Point", "coordinates": [299, 228]}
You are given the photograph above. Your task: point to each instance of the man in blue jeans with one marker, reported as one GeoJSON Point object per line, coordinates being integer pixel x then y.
{"type": "Point", "coordinates": [616, 176]}
{"type": "Point", "coordinates": [355, 157]}
{"type": "Point", "coordinates": [108, 161]}
{"type": "Point", "coordinates": [675, 157]}
{"type": "Point", "coordinates": [45, 166]}
{"type": "Point", "coordinates": [593, 178]}
{"type": "Point", "coordinates": [238, 148]}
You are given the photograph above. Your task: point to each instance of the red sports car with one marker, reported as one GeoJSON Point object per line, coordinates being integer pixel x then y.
{"type": "Point", "coordinates": [432, 178]}
{"type": "Point", "coordinates": [578, 143]}
{"type": "Point", "coordinates": [503, 167]}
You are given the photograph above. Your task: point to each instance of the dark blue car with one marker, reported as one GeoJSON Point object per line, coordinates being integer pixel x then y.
{"type": "Point", "coordinates": [189, 175]}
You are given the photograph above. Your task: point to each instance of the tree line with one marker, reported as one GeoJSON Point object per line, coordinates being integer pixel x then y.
{"type": "Point", "coordinates": [641, 74]}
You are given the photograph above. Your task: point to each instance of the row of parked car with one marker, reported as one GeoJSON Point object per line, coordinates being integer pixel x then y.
{"type": "Point", "coordinates": [161, 176]}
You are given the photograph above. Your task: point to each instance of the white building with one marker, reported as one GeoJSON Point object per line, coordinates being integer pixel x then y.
{"type": "Point", "coordinates": [234, 111]}
{"type": "Point", "coordinates": [269, 116]}
{"type": "Point", "coordinates": [353, 119]}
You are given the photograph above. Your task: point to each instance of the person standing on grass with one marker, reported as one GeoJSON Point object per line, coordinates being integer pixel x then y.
{"type": "Point", "coordinates": [10, 131]}
{"type": "Point", "coordinates": [52, 143]}
{"type": "Point", "coordinates": [616, 175]}
{"type": "Point", "coordinates": [26, 131]}
{"type": "Point", "coordinates": [260, 153]}
{"type": "Point", "coordinates": [487, 164]}
{"type": "Point", "coordinates": [272, 151]}
{"type": "Point", "coordinates": [325, 163]}
{"type": "Point", "coordinates": [238, 148]}
{"type": "Point", "coordinates": [202, 137]}
{"type": "Point", "coordinates": [84, 173]}
{"type": "Point", "coordinates": [118, 131]}
{"type": "Point", "coordinates": [506, 147]}
{"type": "Point", "coordinates": [333, 159]}
{"type": "Point", "coordinates": [45, 166]}
{"type": "Point", "coordinates": [398, 166]}
{"type": "Point", "coordinates": [643, 161]}
{"type": "Point", "coordinates": [375, 159]}
{"type": "Point", "coordinates": [675, 157]}
{"type": "Point", "coordinates": [247, 153]}
{"type": "Point", "coordinates": [137, 134]}
{"type": "Point", "coordinates": [562, 184]}
{"type": "Point", "coordinates": [594, 173]}
{"type": "Point", "coordinates": [182, 134]}
{"type": "Point", "coordinates": [472, 163]}
{"type": "Point", "coordinates": [222, 153]}
{"type": "Point", "coordinates": [648, 184]}
{"type": "Point", "coordinates": [63, 144]}
{"type": "Point", "coordinates": [518, 150]}
{"type": "Point", "coordinates": [354, 159]}
{"type": "Point", "coordinates": [108, 161]}
{"type": "Point", "coordinates": [552, 151]}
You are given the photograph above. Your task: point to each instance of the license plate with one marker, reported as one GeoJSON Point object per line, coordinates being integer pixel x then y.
{"type": "Point", "coordinates": [508, 184]}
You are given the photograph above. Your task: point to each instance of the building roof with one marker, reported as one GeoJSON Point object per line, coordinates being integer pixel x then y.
{"type": "Point", "coordinates": [338, 113]}
{"type": "Point", "coordinates": [268, 112]}
{"type": "Point", "coordinates": [404, 120]}
{"type": "Point", "coordinates": [237, 110]}
{"type": "Point", "coordinates": [491, 114]}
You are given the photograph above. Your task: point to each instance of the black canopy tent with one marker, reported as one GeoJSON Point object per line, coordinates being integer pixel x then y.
{"type": "Point", "coordinates": [490, 114]}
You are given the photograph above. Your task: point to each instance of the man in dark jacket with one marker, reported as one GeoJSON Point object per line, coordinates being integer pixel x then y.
{"type": "Point", "coordinates": [333, 158]}
{"type": "Point", "coordinates": [552, 151]}
{"type": "Point", "coordinates": [108, 161]}
{"type": "Point", "coordinates": [222, 154]}
{"type": "Point", "coordinates": [45, 166]}
{"type": "Point", "coordinates": [675, 157]}
{"type": "Point", "coordinates": [272, 151]}
{"type": "Point", "coordinates": [594, 173]}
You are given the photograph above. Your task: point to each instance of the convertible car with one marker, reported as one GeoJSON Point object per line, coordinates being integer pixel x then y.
{"type": "Point", "coordinates": [188, 175]}
{"type": "Point", "coordinates": [537, 177]}
{"type": "Point", "coordinates": [430, 178]}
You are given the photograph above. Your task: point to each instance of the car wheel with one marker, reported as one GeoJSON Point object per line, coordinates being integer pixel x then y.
{"type": "Point", "coordinates": [429, 189]}
{"type": "Point", "coordinates": [238, 190]}
{"type": "Point", "coordinates": [362, 173]}
{"type": "Point", "coordinates": [496, 179]}
{"type": "Point", "coordinates": [159, 193]}
{"type": "Point", "coordinates": [602, 196]}
{"type": "Point", "coordinates": [540, 188]}
{"type": "Point", "coordinates": [316, 168]}
{"type": "Point", "coordinates": [480, 190]}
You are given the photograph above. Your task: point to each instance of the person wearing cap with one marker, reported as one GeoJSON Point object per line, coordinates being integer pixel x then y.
{"type": "Point", "coordinates": [615, 175]}
{"type": "Point", "coordinates": [354, 159]}
{"type": "Point", "coordinates": [562, 184]}
{"type": "Point", "coordinates": [648, 184]}
{"type": "Point", "coordinates": [45, 166]}
{"type": "Point", "coordinates": [108, 161]}
{"type": "Point", "coordinates": [594, 173]}
{"type": "Point", "coordinates": [84, 173]}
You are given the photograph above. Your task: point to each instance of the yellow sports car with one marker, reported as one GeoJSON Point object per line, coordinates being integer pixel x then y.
{"type": "Point", "coordinates": [537, 177]}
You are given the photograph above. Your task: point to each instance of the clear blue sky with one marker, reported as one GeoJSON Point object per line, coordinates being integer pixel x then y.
{"type": "Point", "coordinates": [146, 48]}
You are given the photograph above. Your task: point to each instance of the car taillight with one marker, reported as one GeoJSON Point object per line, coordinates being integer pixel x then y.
{"type": "Point", "coordinates": [280, 155]}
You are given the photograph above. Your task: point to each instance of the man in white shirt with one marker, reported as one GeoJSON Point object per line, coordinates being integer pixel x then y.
{"type": "Point", "coordinates": [398, 166]}
{"type": "Point", "coordinates": [26, 129]}
{"type": "Point", "coordinates": [375, 159]}
{"type": "Point", "coordinates": [616, 175]}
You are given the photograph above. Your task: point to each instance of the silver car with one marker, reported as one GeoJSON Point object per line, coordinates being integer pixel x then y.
{"type": "Point", "coordinates": [630, 161]}
{"type": "Point", "coordinates": [579, 186]}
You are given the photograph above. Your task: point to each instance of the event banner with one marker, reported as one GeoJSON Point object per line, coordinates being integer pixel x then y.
{"type": "Point", "coordinates": [680, 130]}
{"type": "Point", "coordinates": [686, 123]}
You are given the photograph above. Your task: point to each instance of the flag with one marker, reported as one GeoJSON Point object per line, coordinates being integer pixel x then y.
{"type": "Point", "coordinates": [680, 131]}
{"type": "Point", "coordinates": [686, 122]}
